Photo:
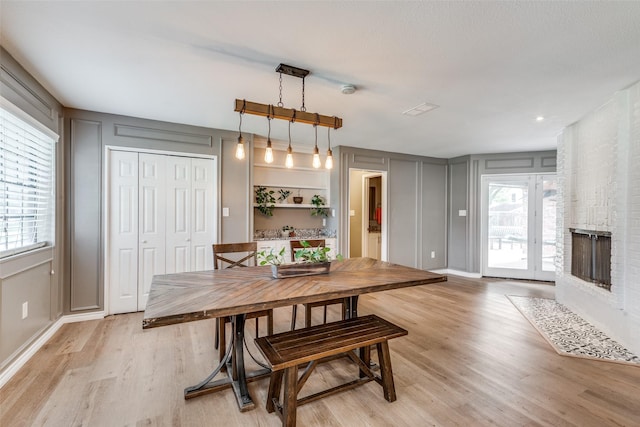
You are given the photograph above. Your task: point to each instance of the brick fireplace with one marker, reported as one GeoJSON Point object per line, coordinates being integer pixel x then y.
{"type": "Point", "coordinates": [599, 193]}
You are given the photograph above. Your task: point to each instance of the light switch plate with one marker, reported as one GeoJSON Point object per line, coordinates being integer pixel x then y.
{"type": "Point", "coordinates": [225, 211]}
{"type": "Point", "coordinates": [462, 212]}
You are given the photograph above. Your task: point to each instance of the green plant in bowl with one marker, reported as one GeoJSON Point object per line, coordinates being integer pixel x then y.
{"type": "Point", "coordinates": [271, 257]}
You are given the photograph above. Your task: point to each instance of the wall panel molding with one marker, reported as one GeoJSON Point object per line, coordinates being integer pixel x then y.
{"type": "Point", "coordinates": [154, 134]}
{"type": "Point", "coordinates": [523, 162]}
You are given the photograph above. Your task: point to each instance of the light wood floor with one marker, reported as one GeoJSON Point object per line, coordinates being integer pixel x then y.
{"type": "Point", "coordinates": [470, 359]}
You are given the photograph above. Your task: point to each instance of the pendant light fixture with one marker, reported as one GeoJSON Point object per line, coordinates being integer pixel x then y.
{"type": "Point", "coordinates": [316, 153]}
{"type": "Point", "coordinates": [240, 146]}
{"type": "Point", "coordinates": [328, 164]}
{"type": "Point", "coordinates": [268, 152]}
{"type": "Point", "coordinates": [280, 112]}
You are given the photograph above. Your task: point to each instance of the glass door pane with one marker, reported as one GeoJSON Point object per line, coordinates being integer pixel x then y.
{"type": "Point", "coordinates": [508, 222]}
{"type": "Point", "coordinates": [548, 246]}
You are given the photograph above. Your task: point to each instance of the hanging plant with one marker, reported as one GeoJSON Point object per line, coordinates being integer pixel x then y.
{"type": "Point", "coordinates": [265, 200]}
{"type": "Point", "coordinates": [318, 209]}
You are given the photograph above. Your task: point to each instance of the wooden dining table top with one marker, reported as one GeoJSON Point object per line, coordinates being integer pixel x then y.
{"type": "Point", "coordinates": [185, 297]}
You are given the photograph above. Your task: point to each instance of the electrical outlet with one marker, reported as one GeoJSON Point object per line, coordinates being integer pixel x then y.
{"type": "Point", "coordinates": [25, 309]}
{"type": "Point", "coordinates": [433, 254]}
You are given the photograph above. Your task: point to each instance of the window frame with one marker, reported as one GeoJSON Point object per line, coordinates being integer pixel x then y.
{"type": "Point", "coordinates": [50, 137]}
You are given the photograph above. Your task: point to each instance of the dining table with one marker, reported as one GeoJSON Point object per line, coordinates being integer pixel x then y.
{"type": "Point", "coordinates": [198, 295]}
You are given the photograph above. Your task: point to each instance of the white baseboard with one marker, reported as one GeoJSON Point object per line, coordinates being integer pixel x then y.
{"type": "Point", "coordinates": [11, 369]}
{"type": "Point", "coordinates": [458, 273]}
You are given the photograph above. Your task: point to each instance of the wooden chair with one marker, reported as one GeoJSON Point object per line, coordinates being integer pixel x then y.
{"type": "Point", "coordinates": [296, 245]}
{"type": "Point", "coordinates": [220, 256]}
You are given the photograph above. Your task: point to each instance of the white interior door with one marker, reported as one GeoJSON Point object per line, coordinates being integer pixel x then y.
{"type": "Point", "coordinates": [123, 232]}
{"type": "Point", "coordinates": [518, 226]}
{"type": "Point", "coordinates": [162, 219]}
{"type": "Point", "coordinates": [178, 215]}
{"type": "Point", "coordinates": [152, 222]}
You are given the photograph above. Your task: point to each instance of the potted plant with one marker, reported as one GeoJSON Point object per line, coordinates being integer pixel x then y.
{"type": "Point", "coordinates": [265, 200]}
{"type": "Point", "coordinates": [298, 199]}
{"type": "Point", "coordinates": [282, 198]}
{"type": "Point", "coordinates": [310, 261]}
{"type": "Point", "coordinates": [318, 209]}
{"type": "Point", "coordinates": [288, 231]}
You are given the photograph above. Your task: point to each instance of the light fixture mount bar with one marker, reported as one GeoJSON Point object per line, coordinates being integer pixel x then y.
{"type": "Point", "coordinates": [290, 70]}
{"type": "Point", "coordinates": [287, 113]}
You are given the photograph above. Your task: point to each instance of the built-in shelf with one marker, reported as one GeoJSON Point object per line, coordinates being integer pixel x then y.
{"type": "Point", "coordinates": [295, 187]}
{"type": "Point", "coordinates": [293, 205]}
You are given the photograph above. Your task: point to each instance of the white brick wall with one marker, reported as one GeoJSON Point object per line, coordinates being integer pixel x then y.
{"type": "Point", "coordinates": [599, 189]}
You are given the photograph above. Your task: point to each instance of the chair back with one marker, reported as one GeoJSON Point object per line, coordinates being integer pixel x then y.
{"type": "Point", "coordinates": [295, 244]}
{"type": "Point", "coordinates": [222, 249]}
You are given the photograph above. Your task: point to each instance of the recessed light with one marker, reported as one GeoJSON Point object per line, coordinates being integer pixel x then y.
{"type": "Point", "coordinates": [420, 109]}
{"type": "Point", "coordinates": [539, 118]}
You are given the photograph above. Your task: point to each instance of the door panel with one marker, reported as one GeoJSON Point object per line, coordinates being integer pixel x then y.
{"type": "Point", "coordinates": [202, 214]}
{"type": "Point", "coordinates": [123, 232]}
{"type": "Point", "coordinates": [178, 239]}
{"type": "Point", "coordinates": [152, 222]}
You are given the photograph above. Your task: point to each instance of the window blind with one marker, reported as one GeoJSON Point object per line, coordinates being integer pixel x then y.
{"type": "Point", "coordinates": [27, 163]}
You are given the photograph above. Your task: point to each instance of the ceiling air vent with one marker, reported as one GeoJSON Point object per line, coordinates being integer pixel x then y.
{"type": "Point", "coordinates": [420, 109]}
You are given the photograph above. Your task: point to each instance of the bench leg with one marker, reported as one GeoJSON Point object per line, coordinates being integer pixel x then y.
{"type": "Point", "coordinates": [273, 395]}
{"type": "Point", "coordinates": [386, 373]}
{"type": "Point", "coordinates": [290, 397]}
{"type": "Point", "coordinates": [365, 356]}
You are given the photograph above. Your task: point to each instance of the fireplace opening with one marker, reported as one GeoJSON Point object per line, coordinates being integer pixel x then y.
{"type": "Point", "coordinates": [591, 256]}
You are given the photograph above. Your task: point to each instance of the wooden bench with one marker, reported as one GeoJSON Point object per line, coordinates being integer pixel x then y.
{"type": "Point", "coordinates": [286, 351]}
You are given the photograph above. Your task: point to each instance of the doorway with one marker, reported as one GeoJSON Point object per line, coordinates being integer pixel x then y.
{"type": "Point", "coordinates": [519, 226]}
{"type": "Point", "coordinates": [367, 229]}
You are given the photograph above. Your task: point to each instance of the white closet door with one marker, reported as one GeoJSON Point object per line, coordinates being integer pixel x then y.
{"type": "Point", "coordinates": [202, 214]}
{"type": "Point", "coordinates": [178, 239]}
{"type": "Point", "coordinates": [152, 220]}
{"type": "Point", "coordinates": [123, 232]}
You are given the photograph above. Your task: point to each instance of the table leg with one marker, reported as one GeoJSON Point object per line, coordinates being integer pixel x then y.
{"type": "Point", "coordinates": [236, 378]}
{"type": "Point", "coordinates": [197, 389]}
{"type": "Point", "coordinates": [352, 307]}
{"type": "Point", "coordinates": [240, 380]}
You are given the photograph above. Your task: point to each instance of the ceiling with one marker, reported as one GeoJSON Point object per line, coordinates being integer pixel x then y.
{"type": "Point", "coordinates": [491, 67]}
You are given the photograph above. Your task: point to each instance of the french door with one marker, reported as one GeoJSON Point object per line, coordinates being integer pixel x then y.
{"type": "Point", "coordinates": [519, 226]}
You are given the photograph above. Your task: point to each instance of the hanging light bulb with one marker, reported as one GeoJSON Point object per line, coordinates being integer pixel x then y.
{"type": "Point", "coordinates": [316, 153]}
{"type": "Point", "coordinates": [268, 152]}
{"type": "Point", "coordinates": [289, 160]}
{"type": "Point", "coordinates": [240, 145]}
{"type": "Point", "coordinates": [328, 164]}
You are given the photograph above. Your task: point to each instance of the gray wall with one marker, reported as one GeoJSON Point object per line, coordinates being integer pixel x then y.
{"type": "Point", "coordinates": [464, 194]}
{"type": "Point", "coordinates": [28, 277]}
{"type": "Point", "coordinates": [416, 203]}
{"type": "Point", "coordinates": [88, 134]}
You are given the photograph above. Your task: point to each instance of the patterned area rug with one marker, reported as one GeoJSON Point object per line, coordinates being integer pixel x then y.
{"type": "Point", "coordinates": [568, 333]}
